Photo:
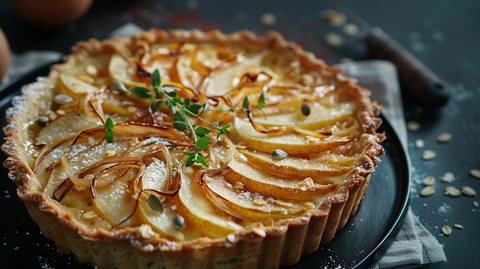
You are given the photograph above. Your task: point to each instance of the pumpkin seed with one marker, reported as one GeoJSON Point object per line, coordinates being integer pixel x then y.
{"type": "Point", "coordinates": [413, 126]}
{"type": "Point", "coordinates": [452, 191]}
{"type": "Point", "coordinates": [469, 191]}
{"type": "Point", "coordinates": [446, 230]}
{"type": "Point", "coordinates": [350, 29]}
{"type": "Point", "coordinates": [63, 99]}
{"type": "Point", "coordinates": [334, 40]}
{"type": "Point", "coordinates": [428, 180]}
{"type": "Point", "coordinates": [279, 154]}
{"type": "Point", "coordinates": [178, 223]}
{"type": "Point", "coordinates": [305, 108]}
{"type": "Point", "coordinates": [42, 120]}
{"type": "Point", "coordinates": [475, 173]}
{"type": "Point", "coordinates": [429, 154]}
{"type": "Point", "coordinates": [155, 203]}
{"type": "Point", "coordinates": [419, 143]}
{"type": "Point", "coordinates": [429, 190]}
{"type": "Point", "coordinates": [118, 86]}
{"type": "Point", "coordinates": [448, 177]}
{"type": "Point", "coordinates": [444, 137]}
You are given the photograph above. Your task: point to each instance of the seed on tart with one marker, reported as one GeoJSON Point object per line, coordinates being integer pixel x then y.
{"type": "Point", "coordinates": [190, 149]}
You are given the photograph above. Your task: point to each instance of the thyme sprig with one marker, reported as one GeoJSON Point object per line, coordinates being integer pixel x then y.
{"type": "Point", "coordinates": [184, 111]}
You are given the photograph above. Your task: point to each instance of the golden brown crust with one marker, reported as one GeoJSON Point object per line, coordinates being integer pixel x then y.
{"type": "Point", "coordinates": [282, 245]}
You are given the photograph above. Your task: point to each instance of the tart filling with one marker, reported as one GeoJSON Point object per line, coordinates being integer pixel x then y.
{"type": "Point", "coordinates": [166, 142]}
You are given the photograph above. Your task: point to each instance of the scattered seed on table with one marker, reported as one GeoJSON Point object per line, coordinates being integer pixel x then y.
{"type": "Point", "coordinates": [448, 177]}
{"type": "Point", "coordinates": [444, 137]}
{"type": "Point", "coordinates": [429, 190]}
{"type": "Point", "coordinates": [452, 191]}
{"type": "Point", "coordinates": [475, 173]}
{"type": "Point", "coordinates": [178, 223]}
{"type": "Point", "coordinates": [419, 143]}
{"type": "Point", "coordinates": [429, 154]}
{"type": "Point", "coordinates": [458, 226]}
{"type": "Point", "coordinates": [413, 126]}
{"type": "Point", "coordinates": [469, 191]}
{"type": "Point", "coordinates": [333, 17]}
{"type": "Point", "coordinates": [268, 19]}
{"type": "Point", "coordinates": [350, 29]}
{"type": "Point", "coordinates": [429, 180]}
{"type": "Point", "coordinates": [334, 40]}
{"type": "Point", "coordinates": [446, 230]}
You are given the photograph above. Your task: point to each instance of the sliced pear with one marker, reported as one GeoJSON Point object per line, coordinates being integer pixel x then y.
{"type": "Point", "coordinates": [263, 183]}
{"type": "Point", "coordinates": [221, 81]}
{"type": "Point", "coordinates": [293, 166]}
{"type": "Point", "coordinates": [199, 211]}
{"type": "Point", "coordinates": [56, 178]}
{"type": "Point", "coordinates": [242, 202]}
{"type": "Point", "coordinates": [115, 203]}
{"type": "Point", "coordinates": [118, 69]}
{"type": "Point", "coordinates": [291, 143]}
{"type": "Point", "coordinates": [74, 86]}
{"type": "Point", "coordinates": [161, 222]}
{"type": "Point", "coordinates": [114, 106]}
{"type": "Point", "coordinates": [156, 178]}
{"type": "Point", "coordinates": [319, 117]}
{"type": "Point", "coordinates": [62, 127]}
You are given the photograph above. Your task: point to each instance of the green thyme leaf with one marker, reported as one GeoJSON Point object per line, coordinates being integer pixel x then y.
{"type": "Point", "coordinates": [156, 80]}
{"type": "Point", "coordinates": [109, 136]}
{"type": "Point", "coordinates": [261, 99]}
{"type": "Point", "coordinates": [180, 125]}
{"type": "Point", "coordinates": [109, 130]}
{"type": "Point", "coordinates": [187, 101]}
{"type": "Point", "coordinates": [109, 124]}
{"type": "Point", "coordinates": [224, 128]}
{"type": "Point", "coordinates": [190, 161]}
{"type": "Point", "coordinates": [201, 160]}
{"type": "Point", "coordinates": [203, 142]}
{"type": "Point", "coordinates": [177, 100]}
{"type": "Point", "coordinates": [245, 102]}
{"type": "Point", "coordinates": [194, 108]}
{"type": "Point", "coordinates": [200, 130]}
{"type": "Point", "coordinates": [173, 93]}
{"type": "Point", "coordinates": [172, 106]}
{"type": "Point", "coordinates": [157, 105]}
{"type": "Point", "coordinates": [178, 117]}
{"type": "Point", "coordinates": [142, 92]}
{"type": "Point", "coordinates": [188, 153]}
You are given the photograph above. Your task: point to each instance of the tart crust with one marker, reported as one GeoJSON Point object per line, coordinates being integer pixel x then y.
{"type": "Point", "coordinates": [278, 245]}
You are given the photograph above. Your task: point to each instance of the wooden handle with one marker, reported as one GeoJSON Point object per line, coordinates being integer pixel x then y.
{"type": "Point", "coordinates": [428, 89]}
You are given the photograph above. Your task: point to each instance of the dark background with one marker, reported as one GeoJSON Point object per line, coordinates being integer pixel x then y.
{"type": "Point", "coordinates": [444, 35]}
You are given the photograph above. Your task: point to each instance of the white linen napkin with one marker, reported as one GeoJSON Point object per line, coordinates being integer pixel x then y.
{"type": "Point", "coordinates": [414, 245]}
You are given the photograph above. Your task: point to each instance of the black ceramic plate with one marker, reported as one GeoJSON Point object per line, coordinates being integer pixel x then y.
{"type": "Point", "coordinates": [361, 242]}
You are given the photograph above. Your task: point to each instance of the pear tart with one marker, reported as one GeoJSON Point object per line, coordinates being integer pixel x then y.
{"type": "Point", "coordinates": [192, 149]}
